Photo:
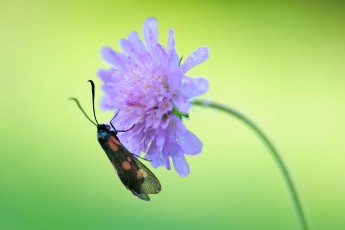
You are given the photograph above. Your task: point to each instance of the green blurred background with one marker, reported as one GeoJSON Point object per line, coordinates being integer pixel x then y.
{"type": "Point", "coordinates": [282, 64]}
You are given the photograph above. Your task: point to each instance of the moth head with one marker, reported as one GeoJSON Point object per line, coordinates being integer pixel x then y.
{"type": "Point", "coordinates": [103, 130]}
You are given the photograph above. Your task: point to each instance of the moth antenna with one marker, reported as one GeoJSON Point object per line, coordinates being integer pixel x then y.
{"type": "Point", "coordinates": [78, 104]}
{"type": "Point", "coordinates": [93, 99]}
{"type": "Point", "coordinates": [141, 157]}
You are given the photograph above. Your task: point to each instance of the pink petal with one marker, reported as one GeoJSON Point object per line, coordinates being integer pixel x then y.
{"type": "Point", "coordinates": [174, 80]}
{"type": "Point", "coordinates": [173, 57]}
{"type": "Point", "coordinates": [198, 56]}
{"type": "Point", "coordinates": [112, 57]}
{"type": "Point", "coordinates": [133, 47]}
{"type": "Point", "coordinates": [181, 165]}
{"type": "Point", "coordinates": [190, 144]}
{"type": "Point", "coordinates": [150, 31]}
{"type": "Point", "coordinates": [171, 42]}
{"type": "Point", "coordinates": [105, 75]}
{"type": "Point", "coordinates": [160, 56]}
{"type": "Point", "coordinates": [134, 39]}
{"type": "Point", "coordinates": [182, 104]}
{"type": "Point", "coordinates": [192, 87]}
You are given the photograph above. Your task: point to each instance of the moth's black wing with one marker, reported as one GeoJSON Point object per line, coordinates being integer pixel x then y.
{"type": "Point", "coordinates": [142, 196]}
{"type": "Point", "coordinates": [135, 176]}
{"type": "Point", "coordinates": [151, 184]}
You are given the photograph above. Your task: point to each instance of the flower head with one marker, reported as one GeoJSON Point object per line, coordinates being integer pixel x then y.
{"type": "Point", "coordinates": [148, 86]}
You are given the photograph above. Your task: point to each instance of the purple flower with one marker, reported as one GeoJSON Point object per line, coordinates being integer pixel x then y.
{"type": "Point", "coordinates": [149, 87]}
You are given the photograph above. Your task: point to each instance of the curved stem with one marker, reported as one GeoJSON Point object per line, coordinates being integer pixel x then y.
{"type": "Point", "coordinates": [298, 207]}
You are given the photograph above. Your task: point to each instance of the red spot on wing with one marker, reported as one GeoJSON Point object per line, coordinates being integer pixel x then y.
{"type": "Point", "coordinates": [141, 173]}
{"type": "Point", "coordinates": [114, 143]}
{"type": "Point", "coordinates": [125, 165]}
{"type": "Point", "coordinates": [115, 140]}
{"type": "Point", "coordinates": [113, 146]}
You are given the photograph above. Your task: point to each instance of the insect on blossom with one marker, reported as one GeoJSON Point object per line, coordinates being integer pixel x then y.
{"type": "Point", "coordinates": [148, 85]}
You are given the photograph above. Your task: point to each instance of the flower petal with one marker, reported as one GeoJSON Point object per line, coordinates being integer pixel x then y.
{"type": "Point", "coordinates": [150, 31]}
{"type": "Point", "coordinates": [192, 87]}
{"type": "Point", "coordinates": [173, 57]}
{"type": "Point", "coordinates": [171, 42]}
{"type": "Point", "coordinates": [112, 57]}
{"type": "Point", "coordinates": [111, 76]}
{"type": "Point", "coordinates": [107, 103]}
{"type": "Point", "coordinates": [151, 152]}
{"type": "Point", "coordinates": [134, 39]}
{"type": "Point", "coordinates": [182, 104]}
{"type": "Point", "coordinates": [190, 143]}
{"type": "Point", "coordinates": [198, 56]}
{"type": "Point", "coordinates": [147, 84]}
{"type": "Point", "coordinates": [133, 47]}
{"type": "Point", "coordinates": [160, 56]}
{"type": "Point", "coordinates": [154, 153]}
{"type": "Point", "coordinates": [105, 75]}
{"type": "Point", "coordinates": [174, 80]}
{"type": "Point", "coordinates": [181, 165]}
{"type": "Point", "coordinates": [128, 48]}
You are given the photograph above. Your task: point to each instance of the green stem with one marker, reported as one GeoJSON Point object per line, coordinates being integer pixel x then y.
{"type": "Point", "coordinates": [273, 150]}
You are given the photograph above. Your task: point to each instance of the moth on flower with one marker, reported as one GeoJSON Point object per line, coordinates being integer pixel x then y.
{"type": "Point", "coordinates": [148, 85]}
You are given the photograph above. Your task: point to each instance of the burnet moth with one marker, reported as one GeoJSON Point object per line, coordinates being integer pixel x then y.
{"type": "Point", "coordinates": [135, 176]}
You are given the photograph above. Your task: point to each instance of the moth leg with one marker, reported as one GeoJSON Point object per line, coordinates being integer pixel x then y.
{"type": "Point", "coordinates": [113, 119]}
{"type": "Point", "coordinates": [125, 130]}
{"type": "Point", "coordinates": [114, 127]}
{"type": "Point", "coordinates": [141, 157]}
